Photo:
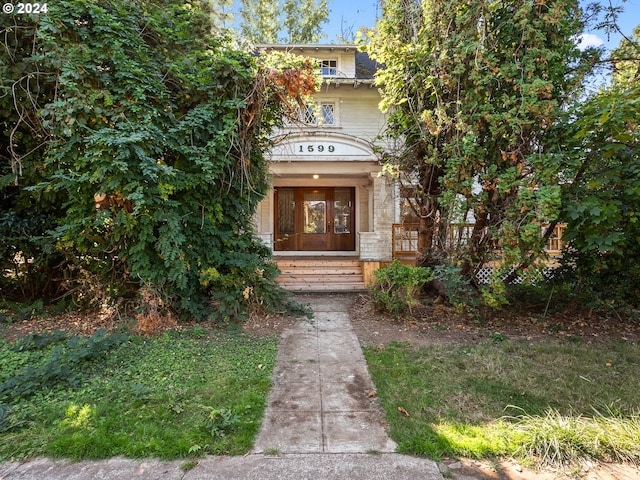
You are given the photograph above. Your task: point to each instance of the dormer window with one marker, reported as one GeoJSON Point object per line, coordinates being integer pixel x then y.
{"type": "Point", "coordinates": [328, 68]}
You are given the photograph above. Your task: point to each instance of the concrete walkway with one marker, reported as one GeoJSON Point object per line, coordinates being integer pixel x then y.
{"type": "Point", "coordinates": [322, 399]}
{"type": "Point", "coordinates": [320, 422]}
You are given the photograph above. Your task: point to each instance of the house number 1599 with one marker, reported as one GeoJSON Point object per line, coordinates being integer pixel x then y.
{"type": "Point", "coordinates": [317, 148]}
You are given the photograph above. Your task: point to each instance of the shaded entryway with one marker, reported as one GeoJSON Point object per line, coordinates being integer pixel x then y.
{"type": "Point", "coordinates": [314, 219]}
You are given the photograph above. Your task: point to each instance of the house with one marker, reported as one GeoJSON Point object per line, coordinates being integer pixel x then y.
{"type": "Point", "coordinates": [328, 205]}
{"type": "Point", "coordinates": [331, 217]}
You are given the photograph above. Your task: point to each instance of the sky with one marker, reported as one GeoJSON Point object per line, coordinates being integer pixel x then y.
{"type": "Point", "coordinates": [347, 16]}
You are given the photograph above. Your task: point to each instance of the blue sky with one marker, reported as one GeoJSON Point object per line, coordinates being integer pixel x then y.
{"type": "Point", "coordinates": [349, 15]}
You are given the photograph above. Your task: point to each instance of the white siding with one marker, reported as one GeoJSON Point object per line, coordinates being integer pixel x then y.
{"type": "Point", "coordinates": [357, 119]}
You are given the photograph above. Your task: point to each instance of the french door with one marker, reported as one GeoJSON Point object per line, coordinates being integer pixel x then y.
{"type": "Point", "coordinates": [314, 219]}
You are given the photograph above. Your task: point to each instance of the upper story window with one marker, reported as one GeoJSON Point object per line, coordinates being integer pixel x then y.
{"type": "Point", "coordinates": [328, 67]}
{"type": "Point", "coordinates": [321, 114]}
{"type": "Point", "coordinates": [327, 111]}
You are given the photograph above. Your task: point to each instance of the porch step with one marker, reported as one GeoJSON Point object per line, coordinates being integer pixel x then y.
{"type": "Point", "coordinates": [321, 274]}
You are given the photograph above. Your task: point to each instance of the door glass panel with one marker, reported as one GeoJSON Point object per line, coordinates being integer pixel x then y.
{"type": "Point", "coordinates": [286, 210]}
{"type": "Point", "coordinates": [315, 212]}
{"type": "Point", "coordinates": [342, 210]}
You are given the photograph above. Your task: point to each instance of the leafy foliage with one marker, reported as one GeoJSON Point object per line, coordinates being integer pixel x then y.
{"type": "Point", "coordinates": [476, 91]}
{"type": "Point", "coordinates": [397, 287]}
{"type": "Point", "coordinates": [60, 364]}
{"type": "Point", "coordinates": [150, 162]}
{"type": "Point", "coordinates": [601, 203]}
{"type": "Point", "coordinates": [263, 21]}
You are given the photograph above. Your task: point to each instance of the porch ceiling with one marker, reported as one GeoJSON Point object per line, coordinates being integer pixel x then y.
{"type": "Point", "coordinates": [323, 180]}
{"type": "Point", "coordinates": [332, 169]}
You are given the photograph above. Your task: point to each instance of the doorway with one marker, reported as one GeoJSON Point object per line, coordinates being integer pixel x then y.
{"type": "Point", "coordinates": [314, 219]}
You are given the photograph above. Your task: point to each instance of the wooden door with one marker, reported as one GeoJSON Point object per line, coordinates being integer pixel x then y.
{"type": "Point", "coordinates": [314, 219]}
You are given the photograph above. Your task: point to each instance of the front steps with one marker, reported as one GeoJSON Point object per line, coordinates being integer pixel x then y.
{"type": "Point", "coordinates": [320, 274]}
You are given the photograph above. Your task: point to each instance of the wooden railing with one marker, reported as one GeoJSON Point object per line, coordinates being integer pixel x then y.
{"type": "Point", "coordinates": [555, 244]}
{"type": "Point", "coordinates": [405, 238]}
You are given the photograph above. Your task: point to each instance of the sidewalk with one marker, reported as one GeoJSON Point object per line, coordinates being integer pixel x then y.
{"type": "Point", "coordinates": [320, 422]}
{"type": "Point", "coordinates": [322, 399]}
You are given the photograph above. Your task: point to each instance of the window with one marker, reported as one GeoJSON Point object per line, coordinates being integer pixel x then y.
{"type": "Point", "coordinates": [328, 67]}
{"type": "Point", "coordinates": [322, 114]}
{"type": "Point", "coordinates": [308, 115]}
{"type": "Point", "coordinates": [286, 210]}
{"type": "Point", "coordinates": [327, 110]}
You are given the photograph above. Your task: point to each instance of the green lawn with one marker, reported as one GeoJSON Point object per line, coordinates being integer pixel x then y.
{"type": "Point", "coordinates": [552, 403]}
{"type": "Point", "coordinates": [173, 396]}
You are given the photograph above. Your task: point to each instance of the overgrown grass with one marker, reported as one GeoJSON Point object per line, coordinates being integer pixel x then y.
{"type": "Point", "coordinates": [174, 396]}
{"type": "Point", "coordinates": [550, 403]}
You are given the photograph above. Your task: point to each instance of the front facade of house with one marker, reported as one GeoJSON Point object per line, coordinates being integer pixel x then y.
{"type": "Point", "coordinates": [327, 196]}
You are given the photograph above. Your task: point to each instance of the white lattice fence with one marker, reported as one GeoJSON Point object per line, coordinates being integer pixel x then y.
{"type": "Point", "coordinates": [485, 273]}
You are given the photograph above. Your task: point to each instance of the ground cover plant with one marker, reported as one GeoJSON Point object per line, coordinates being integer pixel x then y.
{"type": "Point", "coordinates": [548, 384]}
{"type": "Point", "coordinates": [178, 394]}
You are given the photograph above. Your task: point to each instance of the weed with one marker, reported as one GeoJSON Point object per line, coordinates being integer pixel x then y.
{"type": "Point", "coordinates": [498, 337]}
{"type": "Point", "coordinates": [189, 465]}
{"type": "Point", "coordinates": [220, 421]}
{"type": "Point", "coordinates": [58, 367]}
{"type": "Point", "coordinates": [6, 420]}
{"type": "Point", "coordinates": [445, 472]}
{"type": "Point", "coordinates": [559, 440]}
{"type": "Point", "coordinates": [37, 341]}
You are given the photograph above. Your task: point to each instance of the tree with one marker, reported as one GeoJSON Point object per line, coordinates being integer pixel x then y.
{"type": "Point", "coordinates": [25, 249]}
{"type": "Point", "coordinates": [601, 202]}
{"type": "Point", "coordinates": [476, 92]}
{"type": "Point", "coordinates": [283, 21]}
{"type": "Point", "coordinates": [152, 133]}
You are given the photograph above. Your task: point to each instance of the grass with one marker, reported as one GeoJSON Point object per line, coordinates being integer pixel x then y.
{"type": "Point", "coordinates": [178, 395]}
{"type": "Point", "coordinates": [551, 403]}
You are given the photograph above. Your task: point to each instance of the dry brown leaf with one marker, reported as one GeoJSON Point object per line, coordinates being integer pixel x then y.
{"type": "Point", "coordinates": [403, 411]}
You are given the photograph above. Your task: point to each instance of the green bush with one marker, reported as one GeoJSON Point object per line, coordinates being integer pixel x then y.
{"type": "Point", "coordinates": [397, 287]}
{"type": "Point", "coordinates": [154, 160]}
{"type": "Point", "coordinates": [459, 291]}
{"type": "Point", "coordinates": [60, 364]}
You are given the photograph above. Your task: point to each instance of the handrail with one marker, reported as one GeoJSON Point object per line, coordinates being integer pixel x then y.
{"type": "Point", "coordinates": [405, 238]}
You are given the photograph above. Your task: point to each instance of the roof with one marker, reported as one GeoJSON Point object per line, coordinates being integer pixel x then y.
{"type": "Point", "coordinates": [365, 67]}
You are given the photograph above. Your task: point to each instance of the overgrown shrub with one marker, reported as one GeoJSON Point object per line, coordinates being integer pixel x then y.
{"type": "Point", "coordinates": [456, 287]}
{"type": "Point", "coordinates": [152, 146]}
{"type": "Point", "coordinates": [396, 288]}
{"type": "Point", "coordinates": [30, 266]}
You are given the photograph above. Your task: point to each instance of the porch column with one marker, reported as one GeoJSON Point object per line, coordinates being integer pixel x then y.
{"type": "Point", "coordinates": [263, 219]}
{"type": "Point", "coordinates": [375, 245]}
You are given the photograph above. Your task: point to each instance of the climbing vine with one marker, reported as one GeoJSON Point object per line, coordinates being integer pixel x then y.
{"type": "Point", "coordinates": [142, 136]}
